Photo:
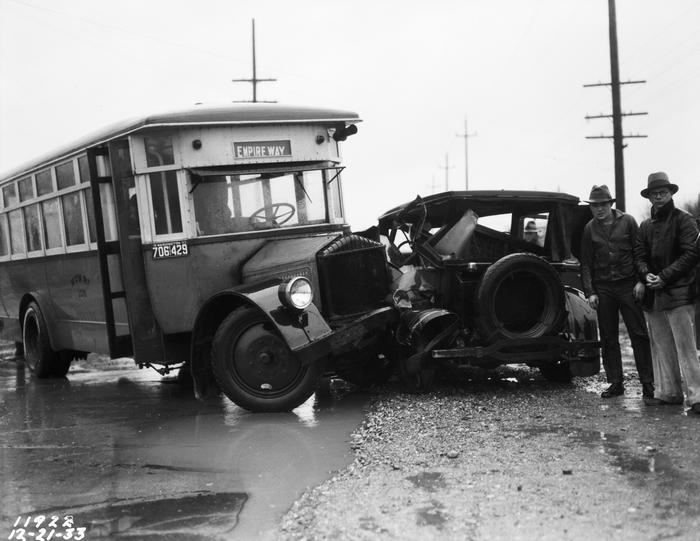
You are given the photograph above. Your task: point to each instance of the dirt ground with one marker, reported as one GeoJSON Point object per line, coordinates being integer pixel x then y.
{"type": "Point", "coordinates": [512, 456]}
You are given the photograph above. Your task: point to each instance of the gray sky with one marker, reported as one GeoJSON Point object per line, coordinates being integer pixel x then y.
{"type": "Point", "coordinates": [411, 69]}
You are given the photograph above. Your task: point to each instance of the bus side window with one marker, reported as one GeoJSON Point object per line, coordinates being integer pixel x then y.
{"type": "Point", "coordinates": [92, 230]}
{"type": "Point", "coordinates": [52, 223]}
{"type": "Point", "coordinates": [4, 236]}
{"type": "Point", "coordinates": [16, 231]}
{"type": "Point", "coordinates": [9, 195]}
{"type": "Point", "coordinates": [33, 229]}
{"type": "Point", "coordinates": [73, 219]}
{"type": "Point", "coordinates": [166, 202]}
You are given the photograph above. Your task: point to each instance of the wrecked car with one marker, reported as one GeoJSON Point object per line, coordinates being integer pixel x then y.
{"type": "Point", "coordinates": [485, 278]}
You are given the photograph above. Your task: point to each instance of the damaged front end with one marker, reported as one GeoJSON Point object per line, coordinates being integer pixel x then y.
{"type": "Point", "coordinates": [434, 336]}
{"type": "Point", "coordinates": [470, 295]}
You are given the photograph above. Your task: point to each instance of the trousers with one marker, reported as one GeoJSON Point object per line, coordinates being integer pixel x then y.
{"type": "Point", "coordinates": [615, 298]}
{"type": "Point", "coordinates": [674, 353]}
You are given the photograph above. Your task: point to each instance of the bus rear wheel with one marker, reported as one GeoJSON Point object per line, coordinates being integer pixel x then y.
{"type": "Point", "coordinates": [255, 368]}
{"type": "Point", "coordinates": [43, 361]}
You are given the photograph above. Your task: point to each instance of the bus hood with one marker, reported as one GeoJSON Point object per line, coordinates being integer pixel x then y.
{"type": "Point", "coordinates": [286, 258]}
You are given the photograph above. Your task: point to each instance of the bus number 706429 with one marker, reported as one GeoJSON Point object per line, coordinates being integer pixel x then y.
{"type": "Point", "coordinates": [170, 249]}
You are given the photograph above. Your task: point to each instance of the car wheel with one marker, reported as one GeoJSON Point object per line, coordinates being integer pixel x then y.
{"type": "Point", "coordinates": [519, 296]}
{"type": "Point", "coordinates": [62, 363]}
{"type": "Point", "coordinates": [255, 368]}
{"type": "Point", "coordinates": [38, 355]}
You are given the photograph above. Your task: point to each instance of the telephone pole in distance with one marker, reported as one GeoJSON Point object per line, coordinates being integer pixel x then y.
{"type": "Point", "coordinates": [447, 167]}
{"type": "Point", "coordinates": [466, 136]}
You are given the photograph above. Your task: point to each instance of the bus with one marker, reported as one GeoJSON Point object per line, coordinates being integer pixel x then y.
{"type": "Point", "coordinates": [211, 236]}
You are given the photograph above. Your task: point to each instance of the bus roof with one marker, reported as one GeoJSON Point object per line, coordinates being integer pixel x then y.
{"type": "Point", "coordinates": [240, 114]}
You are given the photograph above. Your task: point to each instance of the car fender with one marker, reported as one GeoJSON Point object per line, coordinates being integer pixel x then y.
{"type": "Point", "coordinates": [582, 324]}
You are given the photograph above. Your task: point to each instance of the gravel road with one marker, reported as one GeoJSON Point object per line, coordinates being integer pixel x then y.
{"type": "Point", "coordinates": [511, 456]}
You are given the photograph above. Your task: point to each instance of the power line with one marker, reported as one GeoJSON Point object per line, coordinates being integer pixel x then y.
{"type": "Point", "coordinates": [188, 47]}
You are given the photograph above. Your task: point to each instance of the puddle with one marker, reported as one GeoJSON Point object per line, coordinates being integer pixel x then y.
{"type": "Point", "coordinates": [194, 516]}
{"type": "Point", "coordinates": [624, 458]}
{"type": "Point", "coordinates": [433, 515]}
{"type": "Point", "coordinates": [177, 468]}
{"type": "Point", "coordinates": [126, 440]}
{"type": "Point", "coordinates": [430, 481]}
{"type": "Point", "coordinates": [640, 459]}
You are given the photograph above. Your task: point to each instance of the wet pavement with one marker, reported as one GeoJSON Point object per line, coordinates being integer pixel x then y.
{"type": "Point", "coordinates": [128, 454]}
{"type": "Point", "coordinates": [493, 455]}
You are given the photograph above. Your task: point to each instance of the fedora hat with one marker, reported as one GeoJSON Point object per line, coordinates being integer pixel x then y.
{"type": "Point", "coordinates": [600, 194]}
{"type": "Point", "coordinates": [656, 181]}
{"type": "Point", "coordinates": [531, 227]}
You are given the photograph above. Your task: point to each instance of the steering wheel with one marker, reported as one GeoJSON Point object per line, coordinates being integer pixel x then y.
{"type": "Point", "coordinates": [277, 213]}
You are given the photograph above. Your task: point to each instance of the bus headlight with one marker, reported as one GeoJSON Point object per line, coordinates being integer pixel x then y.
{"type": "Point", "coordinates": [295, 293]}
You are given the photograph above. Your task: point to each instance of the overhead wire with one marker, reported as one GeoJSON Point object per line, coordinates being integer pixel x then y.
{"type": "Point", "coordinates": [186, 47]}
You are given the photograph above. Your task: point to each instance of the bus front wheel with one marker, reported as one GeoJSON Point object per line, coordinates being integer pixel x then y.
{"type": "Point", "coordinates": [255, 368]}
{"type": "Point", "coordinates": [38, 355]}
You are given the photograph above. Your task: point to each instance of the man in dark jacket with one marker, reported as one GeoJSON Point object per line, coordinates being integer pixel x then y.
{"type": "Point", "coordinates": [609, 278]}
{"type": "Point", "coordinates": [666, 256]}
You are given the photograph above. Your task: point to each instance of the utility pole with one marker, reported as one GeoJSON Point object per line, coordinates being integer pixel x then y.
{"type": "Point", "coordinates": [617, 113]}
{"type": "Point", "coordinates": [254, 80]}
{"type": "Point", "coordinates": [446, 167]}
{"type": "Point", "coordinates": [433, 186]}
{"type": "Point", "coordinates": [466, 136]}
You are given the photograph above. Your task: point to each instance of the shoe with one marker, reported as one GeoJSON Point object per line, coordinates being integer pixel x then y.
{"type": "Point", "coordinates": [651, 401]}
{"type": "Point", "coordinates": [648, 390]}
{"type": "Point", "coordinates": [616, 389]}
{"type": "Point", "coordinates": [695, 408]}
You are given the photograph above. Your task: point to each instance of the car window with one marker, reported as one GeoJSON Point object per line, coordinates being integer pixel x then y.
{"type": "Point", "coordinates": [533, 228]}
{"type": "Point", "coordinates": [497, 222]}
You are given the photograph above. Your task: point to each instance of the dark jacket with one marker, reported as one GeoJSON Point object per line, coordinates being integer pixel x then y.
{"type": "Point", "coordinates": [666, 247]}
{"type": "Point", "coordinates": [607, 252]}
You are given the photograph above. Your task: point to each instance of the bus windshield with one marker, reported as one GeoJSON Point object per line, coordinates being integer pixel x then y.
{"type": "Point", "coordinates": [251, 202]}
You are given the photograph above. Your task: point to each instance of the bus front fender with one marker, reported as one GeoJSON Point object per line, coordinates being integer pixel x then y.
{"type": "Point", "coordinates": [298, 329]}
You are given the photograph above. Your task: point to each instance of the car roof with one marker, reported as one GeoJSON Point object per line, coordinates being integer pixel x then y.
{"type": "Point", "coordinates": [455, 203]}
{"type": "Point", "coordinates": [223, 115]}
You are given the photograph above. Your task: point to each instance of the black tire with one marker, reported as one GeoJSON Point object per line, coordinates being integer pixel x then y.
{"type": "Point", "coordinates": [255, 368]}
{"type": "Point", "coordinates": [38, 355]}
{"type": "Point", "coordinates": [519, 296]}
{"type": "Point", "coordinates": [184, 376]}
{"type": "Point", "coordinates": [557, 372]}
{"type": "Point", "coordinates": [62, 363]}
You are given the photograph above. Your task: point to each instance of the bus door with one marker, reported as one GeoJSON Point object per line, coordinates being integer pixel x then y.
{"type": "Point", "coordinates": [120, 255]}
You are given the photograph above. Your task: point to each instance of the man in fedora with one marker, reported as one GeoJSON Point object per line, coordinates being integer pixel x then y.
{"type": "Point", "coordinates": [666, 255]}
{"type": "Point", "coordinates": [609, 278]}
{"type": "Point", "coordinates": [530, 233]}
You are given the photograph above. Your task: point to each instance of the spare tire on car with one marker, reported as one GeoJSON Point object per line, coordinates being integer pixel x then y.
{"type": "Point", "coordinates": [520, 296]}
